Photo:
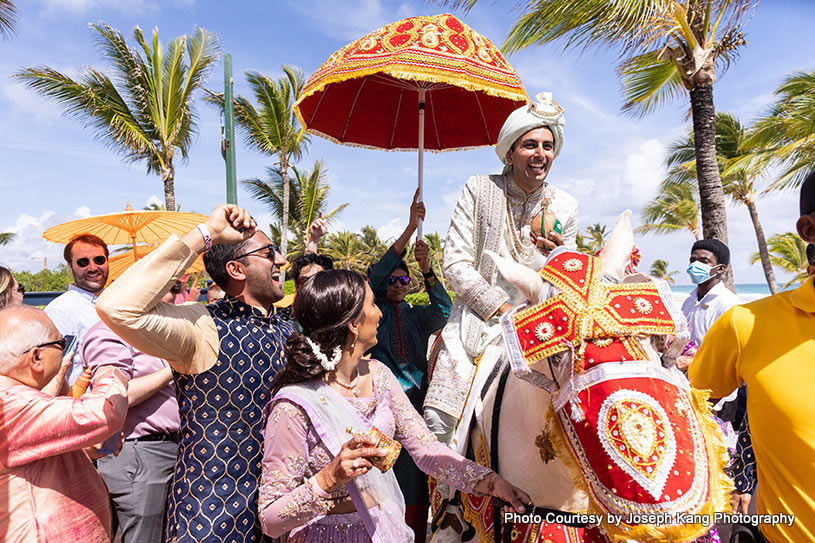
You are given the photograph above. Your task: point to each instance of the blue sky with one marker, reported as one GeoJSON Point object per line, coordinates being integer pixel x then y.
{"type": "Point", "coordinates": [54, 171]}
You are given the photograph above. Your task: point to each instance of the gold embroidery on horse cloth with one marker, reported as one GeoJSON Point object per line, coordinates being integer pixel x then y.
{"type": "Point", "coordinates": [586, 309]}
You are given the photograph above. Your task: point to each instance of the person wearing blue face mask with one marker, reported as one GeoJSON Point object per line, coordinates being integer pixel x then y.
{"type": "Point", "coordinates": [709, 259]}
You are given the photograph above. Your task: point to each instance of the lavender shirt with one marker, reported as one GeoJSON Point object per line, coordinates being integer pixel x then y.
{"type": "Point", "coordinates": [157, 414]}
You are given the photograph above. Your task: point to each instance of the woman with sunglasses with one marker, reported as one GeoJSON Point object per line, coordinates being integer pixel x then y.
{"type": "Point", "coordinates": [325, 479]}
{"type": "Point", "coordinates": [11, 292]}
{"type": "Point", "coordinates": [402, 341]}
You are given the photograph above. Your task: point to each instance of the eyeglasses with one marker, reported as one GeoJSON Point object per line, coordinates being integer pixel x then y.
{"type": "Point", "coordinates": [403, 280]}
{"type": "Point", "coordinates": [85, 262]}
{"type": "Point", "coordinates": [272, 250]}
{"type": "Point", "coordinates": [21, 289]}
{"type": "Point", "coordinates": [61, 343]}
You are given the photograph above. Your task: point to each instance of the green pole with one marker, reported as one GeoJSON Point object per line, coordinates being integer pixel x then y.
{"type": "Point", "coordinates": [229, 134]}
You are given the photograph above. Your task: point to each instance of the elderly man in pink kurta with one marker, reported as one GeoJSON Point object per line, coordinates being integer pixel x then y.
{"type": "Point", "coordinates": [49, 490]}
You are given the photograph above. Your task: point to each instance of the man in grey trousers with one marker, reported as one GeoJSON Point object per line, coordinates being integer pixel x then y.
{"type": "Point", "coordinates": [139, 476]}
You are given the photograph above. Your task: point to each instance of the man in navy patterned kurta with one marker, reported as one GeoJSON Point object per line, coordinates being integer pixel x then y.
{"type": "Point", "coordinates": [224, 357]}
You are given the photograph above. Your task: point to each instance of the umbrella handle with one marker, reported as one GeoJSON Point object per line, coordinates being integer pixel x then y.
{"type": "Point", "coordinates": [421, 157]}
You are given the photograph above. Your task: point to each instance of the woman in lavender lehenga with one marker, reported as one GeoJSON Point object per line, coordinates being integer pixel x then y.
{"type": "Point", "coordinates": [317, 484]}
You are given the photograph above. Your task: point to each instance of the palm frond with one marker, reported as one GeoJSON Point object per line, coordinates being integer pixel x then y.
{"type": "Point", "coordinates": [8, 18]}
{"type": "Point", "coordinates": [787, 130]}
{"type": "Point", "coordinates": [787, 252]}
{"type": "Point", "coordinates": [648, 82]}
{"type": "Point", "coordinates": [583, 24]}
{"type": "Point", "coordinates": [6, 237]}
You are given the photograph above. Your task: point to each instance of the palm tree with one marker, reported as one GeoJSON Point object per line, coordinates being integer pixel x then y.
{"type": "Point", "coordinates": [786, 133]}
{"type": "Point", "coordinates": [739, 171]}
{"type": "Point", "coordinates": [788, 252]}
{"type": "Point", "coordinates": [659, 269]}
{"type": "Point", "coordinates": [272, 128]}
{"type": "Point", "coordinates": [347, 251]}
{"type": "Point", "coordinates": [374, 246]}
{"type": "Point", "coordinates": [596, 234]}
{"type": "Point", "coordinates": [308, 198]}
{"type": "Point", "coordinates": [668, 49]}
{"type": "Point", "coordinates": [147, 113]}
{"type": "Point", "coordinates": [674, 209]}
{"type": "Point", "coordinates": [6, 237]}
{"type": "Point", "coordinates": [8, 17]}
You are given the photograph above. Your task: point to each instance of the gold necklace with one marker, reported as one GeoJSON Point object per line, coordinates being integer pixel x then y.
{"type": "Point", "coordinates": [352, 386]}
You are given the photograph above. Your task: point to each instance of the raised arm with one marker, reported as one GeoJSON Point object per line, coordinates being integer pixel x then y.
{"type": "Point", "coordinates": [184, 335]}
{"type": "Point", "coordinates": [431, 317]}
{"type": "Point", "coordinates": [438, 460]}
{"type": "Point", "coordinates": [459, 258]}
{"type": "Point", "coordinates": [47, 426]}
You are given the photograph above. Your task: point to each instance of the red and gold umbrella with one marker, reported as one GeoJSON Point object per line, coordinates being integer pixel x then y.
{"type": "Point", "coordinates": [434, 69]}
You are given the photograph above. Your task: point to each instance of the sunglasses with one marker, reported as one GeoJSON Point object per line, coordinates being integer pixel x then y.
{"type": "Point", "coordinates": [271, 249]}
{"type": "Point", "coordinates": [85, 262]}
{"type": "Point", "coordinates": [21, 289]}
{"type": "Point", "coordinates": [403, 280]}
{"type": "Point", "coordinates": [61, 343]}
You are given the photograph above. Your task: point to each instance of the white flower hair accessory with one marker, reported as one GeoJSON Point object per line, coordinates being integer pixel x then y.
{"type": "Point", "coordinates": [328, 365]}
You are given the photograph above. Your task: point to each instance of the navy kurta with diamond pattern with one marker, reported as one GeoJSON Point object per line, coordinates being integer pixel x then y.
{"type": "Point", "coordinates": [213, 496]}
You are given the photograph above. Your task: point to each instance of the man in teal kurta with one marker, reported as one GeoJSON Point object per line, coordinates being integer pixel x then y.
{"type": "Point", "coordinates": [402, 337]}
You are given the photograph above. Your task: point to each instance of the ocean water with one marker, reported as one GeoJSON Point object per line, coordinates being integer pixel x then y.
{"type": "Point", "coordinates": [747, 292]}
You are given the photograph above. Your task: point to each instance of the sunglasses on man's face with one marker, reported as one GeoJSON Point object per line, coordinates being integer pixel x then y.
{"type": "Point", "coordinates": [403, 280]}
{"type": "Point", "coordinates": [85, 262]}
{"type": "Point", "coordinates": [61, 343]}
{"type": "Point", "coordinates": [271, 250]}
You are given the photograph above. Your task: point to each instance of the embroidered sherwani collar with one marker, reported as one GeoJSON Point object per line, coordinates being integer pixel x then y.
{"type": "Point", "coordinates": [517, 193]}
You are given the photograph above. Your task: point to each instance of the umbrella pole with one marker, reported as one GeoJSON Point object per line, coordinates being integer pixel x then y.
{"type": "Point", "coordinates": [421, 157]}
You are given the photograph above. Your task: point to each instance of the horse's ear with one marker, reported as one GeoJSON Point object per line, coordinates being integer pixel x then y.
{"type": "Point", "coordinates": [617, 251]}
{"type": "Point", "coordinates": [527, 280]}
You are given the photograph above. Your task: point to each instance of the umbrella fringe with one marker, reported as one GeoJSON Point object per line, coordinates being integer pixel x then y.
{"type": "Point", "coordinates": [429, 75]}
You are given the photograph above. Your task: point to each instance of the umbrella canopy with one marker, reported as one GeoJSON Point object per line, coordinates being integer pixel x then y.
{"type": "Point", "coordinates": [128, 226]}
{"type": "Point", "coordinates": [368, 93]}
{"type": "Point", "coordinates": [120, 262]}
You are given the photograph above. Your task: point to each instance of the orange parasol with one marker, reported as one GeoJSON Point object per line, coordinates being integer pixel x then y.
{"type": "Point", "coordinates": [364, 93]}
{"type": "Point", "coordinates": [119, 263]}
{"type": "Point", "coordinates": [128, 226]}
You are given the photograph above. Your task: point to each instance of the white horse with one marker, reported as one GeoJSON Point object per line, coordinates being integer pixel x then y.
{"type": "Point", "coordinates": [531, 452]}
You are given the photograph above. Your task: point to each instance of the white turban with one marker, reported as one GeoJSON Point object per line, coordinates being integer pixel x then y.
{"type": "Point", "coordinates": [542, 112]}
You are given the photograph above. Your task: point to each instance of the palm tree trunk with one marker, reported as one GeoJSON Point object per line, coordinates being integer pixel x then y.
{"type": "Point", "coordinates": [284, 220]}
{"type": "Point", "coordinates": [711, 194]}
{"type": "Point", "coordinates": [168, 176]}
{"type": "Point", "coordinates": [762, 248]}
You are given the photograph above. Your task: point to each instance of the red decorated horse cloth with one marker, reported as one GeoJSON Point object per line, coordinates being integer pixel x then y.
{"type": "Point", "coordinates": [637, 437]}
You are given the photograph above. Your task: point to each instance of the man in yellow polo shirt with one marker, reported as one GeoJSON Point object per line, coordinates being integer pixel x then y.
{"type": "Point", "coordinates": [769, 344]}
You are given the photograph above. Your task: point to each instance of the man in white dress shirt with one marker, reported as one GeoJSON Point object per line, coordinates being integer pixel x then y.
{"type": "Point", "coordinates": [494, 213]}
{"type": "Point", "coordinates": [710, 299]}
{"type": "Point", "coordinates": [75, 311]}
{"type": "Point", "coordinates": [709, 259]}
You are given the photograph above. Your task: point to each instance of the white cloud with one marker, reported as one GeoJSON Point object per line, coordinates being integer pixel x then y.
{"type": "Point", "coordinates": [28, 103]}
{"type": "Point", "coordinates": [57, 7]}
{"type": "Point", "coordinates": [347, 20]}
{"type": "Point", "coordinates": [83, 212]}
{"type": "Point", "coordinates": [391, 230]}
{"type": "Point", "coordinates": [28, 248]}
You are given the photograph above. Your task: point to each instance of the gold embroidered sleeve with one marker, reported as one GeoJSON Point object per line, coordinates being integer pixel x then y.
{"type": "Point", "coordinates": [430, 455]}
{"type": "Point", "coordinates": [286, 497]}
